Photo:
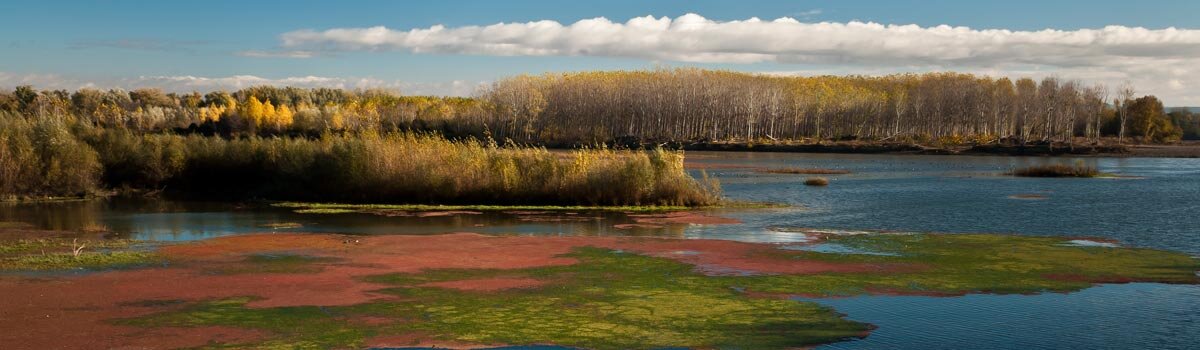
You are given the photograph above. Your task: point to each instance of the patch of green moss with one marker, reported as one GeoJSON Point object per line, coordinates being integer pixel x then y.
{"type": "Point", "coordinates": [85, 260]}
{"type": "Point", "coordinates": [10, 247]}
{"type": "Point", "coordinates": [302, 327]}
{"type": "Point", "coordinates": [58, 254]}
{"type": "Point", "coordinates": [978, 263]}
{"type": "Point", "coordinates": [278, 263]}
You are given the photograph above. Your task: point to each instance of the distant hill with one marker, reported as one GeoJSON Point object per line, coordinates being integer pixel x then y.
{"type": "Point", "coordinates": [1192, 109]}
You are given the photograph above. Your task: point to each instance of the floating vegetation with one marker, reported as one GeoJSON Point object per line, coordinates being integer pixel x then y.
{"type": "Point", "coordinates": [324, 211]}
{"type": "Point", "coordinates": [282, 225]}
{"type": "Point", "coordinates": [1079, 169]}
{"type": "Point", "coordinates": [816, 181]}
{"type": "Point", "coordinates": [1028, 196]}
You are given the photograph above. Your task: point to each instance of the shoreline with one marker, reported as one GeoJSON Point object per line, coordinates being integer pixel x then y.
{"type": "Point", "coordinates": [1187, 149]}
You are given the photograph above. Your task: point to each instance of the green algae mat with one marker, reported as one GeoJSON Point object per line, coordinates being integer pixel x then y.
{"type": "Point", "coordinates": [614, 299]}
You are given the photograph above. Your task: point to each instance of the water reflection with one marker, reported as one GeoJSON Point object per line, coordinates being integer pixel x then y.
{"type": "Point", "coordinates": [884, 192]}
{"type": "Point", "coordinates": [163, 220]}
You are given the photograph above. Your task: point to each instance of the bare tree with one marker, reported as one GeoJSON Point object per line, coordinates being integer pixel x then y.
{"type": "Point", "coordinates": [1124, 98]}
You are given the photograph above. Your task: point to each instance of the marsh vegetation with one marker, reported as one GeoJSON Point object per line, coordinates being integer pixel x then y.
{"type": "Point", "coordinates": [62, 156]}
{"type": "Point", "coordinates": [816, 181]}
{"type": "Point", "coordinates": [640, 296]}
{"type": "Point", "coordinates": [1079, 169]}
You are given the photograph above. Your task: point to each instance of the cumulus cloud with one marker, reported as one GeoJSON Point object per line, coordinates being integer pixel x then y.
{"type": "Point", "coordinates": [693, 38]}
{"type": "Point", "coordinates": [188, 83]}
{"type": "Point", "coordinates": [1117, 52]}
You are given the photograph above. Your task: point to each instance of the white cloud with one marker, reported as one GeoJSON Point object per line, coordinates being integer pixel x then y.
{"type": "Point", "coordinates": [1149, 57]}
{"type": "Point", "coordinates": [187, 83]}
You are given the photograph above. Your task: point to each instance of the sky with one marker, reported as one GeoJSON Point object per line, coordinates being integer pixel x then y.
{"type": "Point", "coordinates": [452, 47]}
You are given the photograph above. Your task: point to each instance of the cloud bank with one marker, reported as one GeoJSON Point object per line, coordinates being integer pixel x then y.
{"type": "Point", "coordinates": [1162, 61]}
{"type": "Point", "coordinates": [187, 83]}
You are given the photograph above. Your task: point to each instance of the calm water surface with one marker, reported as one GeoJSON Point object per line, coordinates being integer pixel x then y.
{"type": "Point", "coordinates": [1156, 204]}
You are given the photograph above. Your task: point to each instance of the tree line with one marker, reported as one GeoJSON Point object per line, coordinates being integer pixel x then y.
{"type": "Point", "coordinates": [683, 105]}
{"type": "Point", "coordinates": [696, 104]}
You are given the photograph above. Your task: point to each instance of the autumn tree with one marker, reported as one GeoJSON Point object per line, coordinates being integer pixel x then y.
{"type": "Point", "coordinates": [1148, 120]}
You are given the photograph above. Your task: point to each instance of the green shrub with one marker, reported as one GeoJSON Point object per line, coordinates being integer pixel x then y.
{"type": "Point", "coordinates": [43, 157]}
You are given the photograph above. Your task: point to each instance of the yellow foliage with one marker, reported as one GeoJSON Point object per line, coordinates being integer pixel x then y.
{"type": "Point", "coordinates": [253, 111]}
{"type": "Point", "coordinates": [283, 116]}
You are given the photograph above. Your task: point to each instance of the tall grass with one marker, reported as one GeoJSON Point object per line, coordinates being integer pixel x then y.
{"type": "Point", "coordinates": [411, 168]}
{"type": "Point", "coordinates": [357, 167]}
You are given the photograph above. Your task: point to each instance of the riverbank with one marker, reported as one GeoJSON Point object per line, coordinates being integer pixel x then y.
{"type": "Point", "coordinates": [1185, 149]}
{"type": "Point", "coordinates": [464, 290]}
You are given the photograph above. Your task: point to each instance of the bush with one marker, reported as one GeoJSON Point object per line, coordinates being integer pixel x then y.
{"type": "Point", "coordinates": [43, 158]}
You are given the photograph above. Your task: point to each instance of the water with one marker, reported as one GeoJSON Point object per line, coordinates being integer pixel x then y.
{"type": "Point", "coordinates": [1126, 316]}
{"type": "Point", "coordinates": [1155, 205]}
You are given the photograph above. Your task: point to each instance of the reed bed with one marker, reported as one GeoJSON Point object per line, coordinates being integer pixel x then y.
{"type": "Point", "coordinates": [1057, 170]}
{"type": "Point", "coordinates": [56, 158]}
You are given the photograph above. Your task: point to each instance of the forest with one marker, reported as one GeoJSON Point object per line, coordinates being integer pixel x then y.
{"type": "Point", "coordinates": [376, 145]}
{"type": "Point", "coordinates": [588, 108]}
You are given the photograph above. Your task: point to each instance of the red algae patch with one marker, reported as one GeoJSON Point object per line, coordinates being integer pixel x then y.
{"type": "Point", "coordinates": [488, 284]}
{"type": "Point", "coordinates": [238, 245]}
{"type": "Point", "coordinates": [682, 217]}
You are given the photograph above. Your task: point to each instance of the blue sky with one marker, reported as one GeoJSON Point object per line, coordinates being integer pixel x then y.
{"type": "Point", "coordinates": [115, 43]}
